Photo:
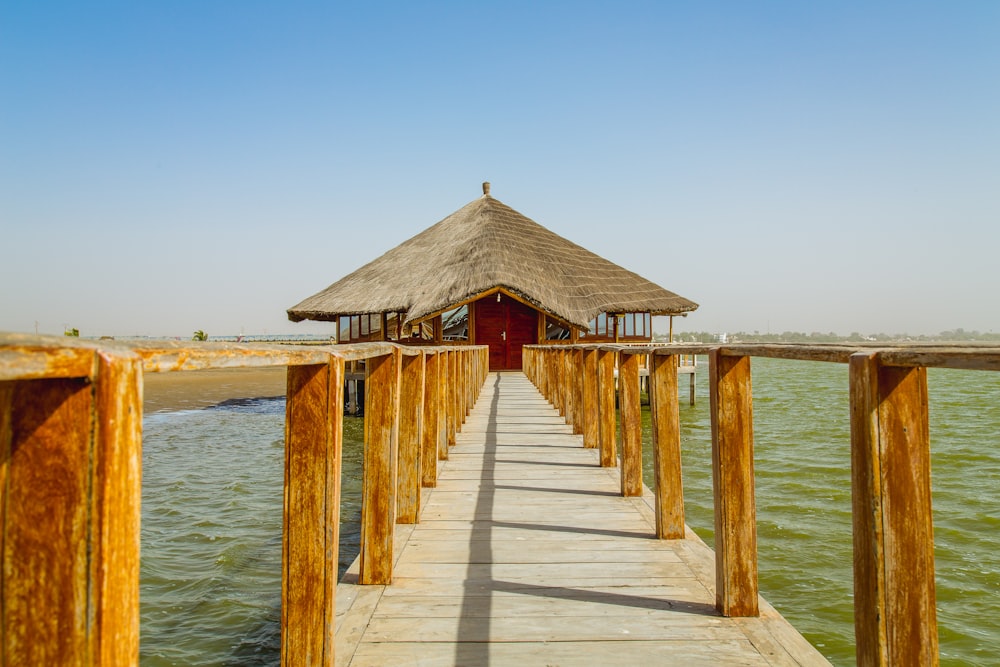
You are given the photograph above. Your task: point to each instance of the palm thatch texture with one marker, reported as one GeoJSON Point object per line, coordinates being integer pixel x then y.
{"type": "Point", "coordinates": [480, 247]}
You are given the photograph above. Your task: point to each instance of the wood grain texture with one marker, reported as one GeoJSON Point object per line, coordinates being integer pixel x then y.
{"type": "Point", "coordinates": [630, 413]}
{"type": "Point", "coordinates": [590, 412]}
{"type": "Point", "coordinates": [411, 407]}
{"type": "Point", "coordinates": [117, 514]}
{"type": "Point", "coordinates": [669, 488]}
{"type": "Point", "coordinates": [310, 536]}
{"type": "Point", "coordinates": [733, 485]}
{"type": "Point", "coordinates": [378, 485]}
{"type": "Point", "coordinates": [46, 509]}
{"type": "Point", "coordinates": [607, 444]}
{"type": "Point", "coordinates": [430, 432]}
{"type": "Point", "coordinates": [895, 608]}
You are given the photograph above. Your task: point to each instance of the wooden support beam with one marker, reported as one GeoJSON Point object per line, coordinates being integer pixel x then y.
{"type": "Point", "coordinates": [431, 428]}
{"type": "Point", "coordinates": [70, 488]}
{"type": "Point", "coordinates": [895, 613]}
{"type": "Point", "coordinates": [310, 539]}
{"type": "Point", "coordinates": [733, 485]}
{"type": "Point", "coordinates": [451, 396]}
{"type": "Point", "coordinates": [668, 484]}
{"type": "Point", "coordinates": [378, 485]}
{"type": "Point", "coordinates": [630, 412]}
{"type": "Point", "coordinates": [117, 489]}
{"type": "Point", "coordinates": [411, 409]}
{"type": "Point", "coordinates": [590, 413]}
{"type": "Point", "coordinates": [576, 387]}
{"type": "Point", "coordinates": [606, 408]}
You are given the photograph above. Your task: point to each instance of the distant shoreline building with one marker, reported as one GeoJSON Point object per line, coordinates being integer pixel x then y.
{"type": "Point", "coordinates": [488, 275]}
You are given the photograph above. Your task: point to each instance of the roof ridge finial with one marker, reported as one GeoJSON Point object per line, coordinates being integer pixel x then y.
{"type": "Point", "coordinates": [486, 188]}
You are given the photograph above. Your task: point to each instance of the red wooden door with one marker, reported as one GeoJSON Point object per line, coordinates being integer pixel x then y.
{"type": "Point", "coordinates": [506, 326]}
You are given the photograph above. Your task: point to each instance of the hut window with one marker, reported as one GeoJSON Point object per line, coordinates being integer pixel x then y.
{"type": "Point", "coordinates": [599, 326]}
{"type": "Point", "coordinates": [635, 325]}
{"type": "Point", "coordinates": [359, 327]}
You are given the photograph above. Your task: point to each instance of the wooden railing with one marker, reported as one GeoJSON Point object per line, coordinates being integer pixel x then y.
{"type": "Point", "coordinates": [71, 475]}
{"type": "Point", "coordinates": [894, 592]}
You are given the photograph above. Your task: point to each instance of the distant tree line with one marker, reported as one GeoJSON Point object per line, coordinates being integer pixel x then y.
{"type": "Point", "coordinates": [956, 335]}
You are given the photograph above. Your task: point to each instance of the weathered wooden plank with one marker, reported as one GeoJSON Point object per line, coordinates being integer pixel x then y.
{"type": "Point", "coordinates": [606, 408]}
{"type": "Point", "coordinates": [732, 653]}
{"type": "Point", "coordinates": [450, 380]}
{"type": "Point", "coordinates": [681, 627]}
{"type": "Point", "coordinates": [540, 550]}
{"type": "Point", "coordinates": [45, 470]}
{"type": "Point", "coordinates": [34, 362]}
{"type": "Point", "coordinates": [630, 412]}
{"type": "Point", "coordinates": [668, 483]}
{"type": "Point", "coordinates": [733, 484]}
{"type": "Point", "coordinates": [310, 541]}
{"type": "Point", "coordinates": [117, 498]}
{"type": "Point", "coordinates": [431, 427]}
{"type": "Point", "coordinates": [589, 393]}
{"type": "Point", "coordinates": [411, 407]}
{"type": "Point", "coordinates": [895, 612]}
{"type": "Point", "coordinates": [378, 486]}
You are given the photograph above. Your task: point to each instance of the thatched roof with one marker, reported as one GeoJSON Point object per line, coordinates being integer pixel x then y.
{"type": "Point", "coordinates": [482, 246]}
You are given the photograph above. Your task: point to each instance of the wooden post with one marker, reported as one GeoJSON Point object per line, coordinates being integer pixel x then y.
{"type": "Point", "coordinates": [449, 387]}
{"type": "Point", "coordinates": [733, 485]}
{"type": "Point", "coordinates": [378, 485]}
{"type": "Point", "coordinates": [551, 356]}
{"type": "Point", "coordinates": [666, 446]}
{"type": "Point", "coordinates": [576, 389]}
{"type": "Point", "coordinates": [70, 488]}
{"type": "Point", "coordinates": [895, 615]}
{"type": "Point", "coordinates": [411, 409]}
{"type": "Point", "coordinates": [631, 424]}
{"type": "Point", "coordinates": [431, 431]}
{"type": "Point", "coordinates": [606, 408]}
{"type": "Point", "coordinates": [459, 380]}
{"type": "Point", "coordinates": [691, 381]}
{"type": "Point", "coordinates": [589, 413]}
{"type": "Point", "coordinates": [310, 538]}
{"type": "Point", "coordinates": [567, 386]}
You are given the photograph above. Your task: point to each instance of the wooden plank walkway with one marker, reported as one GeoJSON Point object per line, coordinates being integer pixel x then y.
{"type": "Point", "coordinates": [526, 554]}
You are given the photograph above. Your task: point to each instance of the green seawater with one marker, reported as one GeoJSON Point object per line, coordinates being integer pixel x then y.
{"type": "Point", "coordinates": [212, 496]}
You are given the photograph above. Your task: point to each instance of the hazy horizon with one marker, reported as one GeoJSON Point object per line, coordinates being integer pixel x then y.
{"type": "Point", "coordinates": [173, 167]}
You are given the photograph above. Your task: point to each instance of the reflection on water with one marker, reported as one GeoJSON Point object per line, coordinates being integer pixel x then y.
{"type": "Point", "coordinates": [212, 506]}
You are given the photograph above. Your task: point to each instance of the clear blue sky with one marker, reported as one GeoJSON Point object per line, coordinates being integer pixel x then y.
{"type": "Point", "coordinates": [172, 166]}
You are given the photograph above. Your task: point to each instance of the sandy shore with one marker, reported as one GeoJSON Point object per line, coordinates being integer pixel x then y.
{"type": "Point", "coordinates": [187, 390]}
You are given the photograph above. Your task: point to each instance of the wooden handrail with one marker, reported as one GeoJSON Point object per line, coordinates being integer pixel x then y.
{"type": "Point", "coordinates": [71, 471]}
{"type": "Point", "coordinates": [894, 596]}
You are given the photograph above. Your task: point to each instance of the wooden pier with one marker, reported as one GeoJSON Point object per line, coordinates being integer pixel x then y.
{"type": "Point", "coordinates": [497, 527]}
{"type": "Point", "coordinates": [526, 553]}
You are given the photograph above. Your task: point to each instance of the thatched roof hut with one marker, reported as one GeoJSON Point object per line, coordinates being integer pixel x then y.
{"type": "Point", "coordinates": [480, 248]}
